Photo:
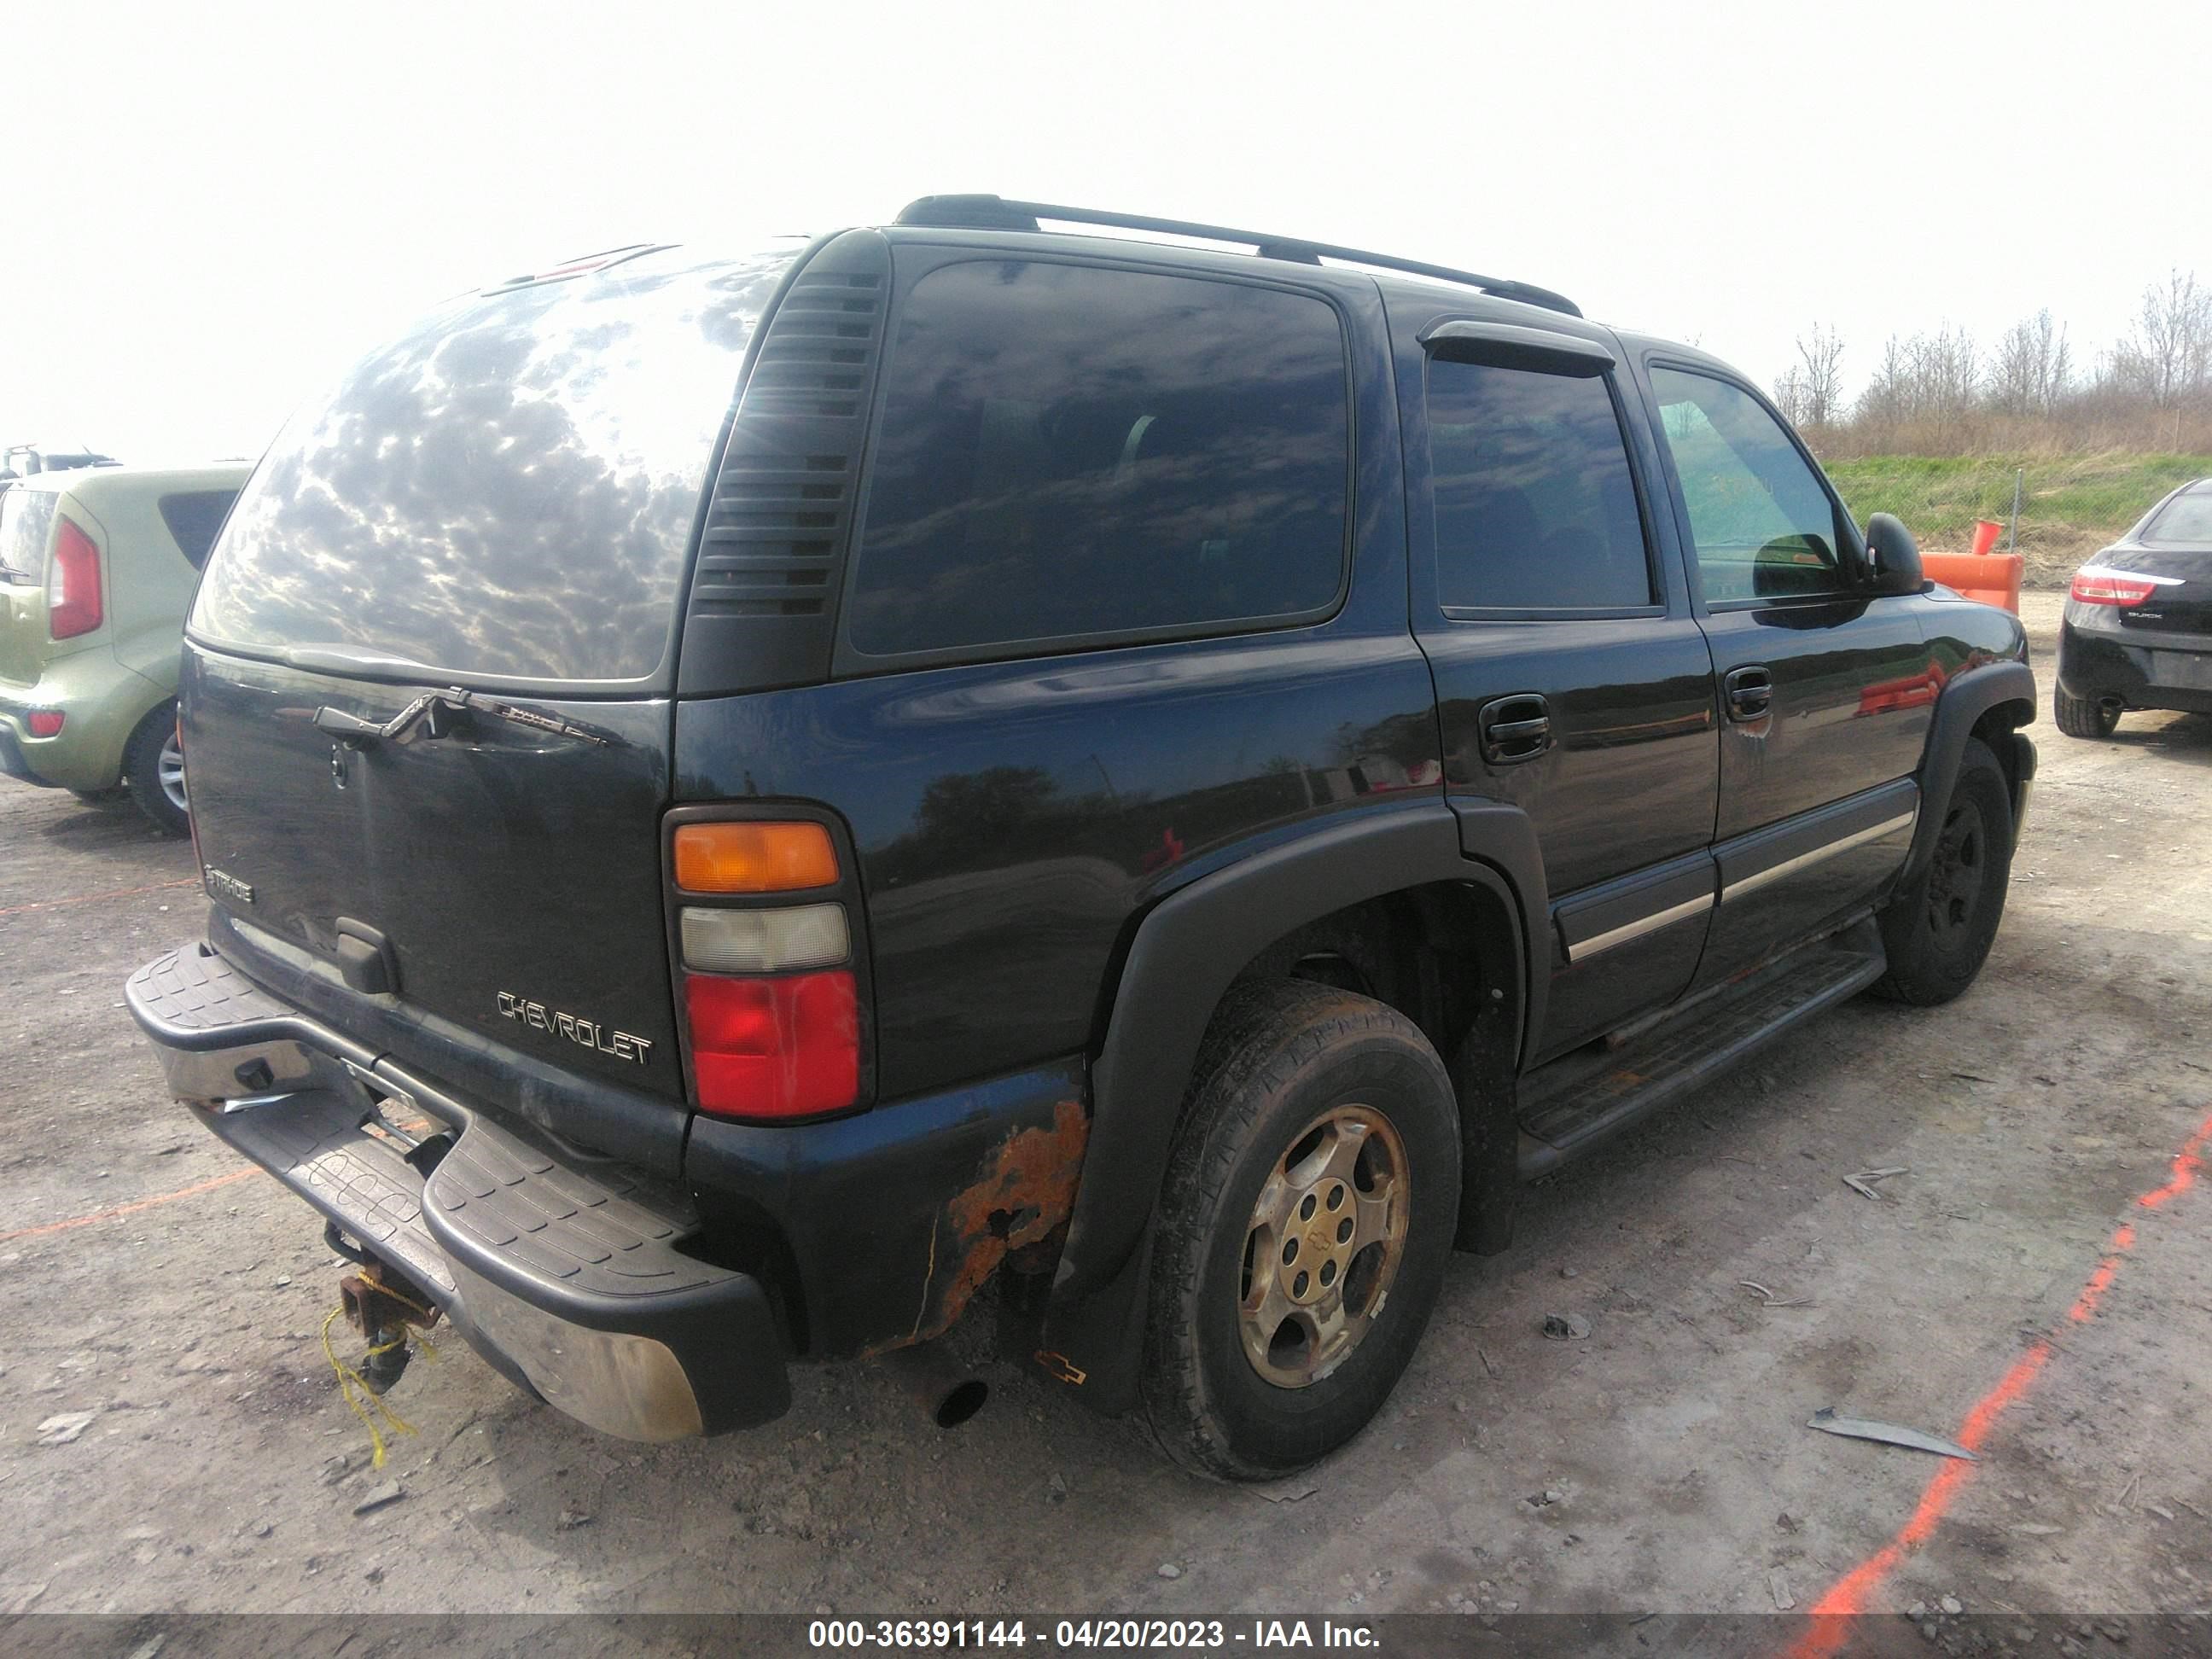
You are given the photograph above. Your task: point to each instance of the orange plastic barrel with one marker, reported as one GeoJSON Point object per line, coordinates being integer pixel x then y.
{"type": "Point", "coordinates": [1985, 537]}
{"type": "Point", "coordinates": [1992, 578]}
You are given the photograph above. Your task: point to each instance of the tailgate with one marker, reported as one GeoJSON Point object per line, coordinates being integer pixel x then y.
{"type": "Point", "coordinates": [506, 879]}
{"type": "Point", "coordinates": [503, 499]}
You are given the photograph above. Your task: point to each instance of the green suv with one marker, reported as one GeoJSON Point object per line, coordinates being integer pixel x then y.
{"type": "Point", "coordinates": [97, 567]}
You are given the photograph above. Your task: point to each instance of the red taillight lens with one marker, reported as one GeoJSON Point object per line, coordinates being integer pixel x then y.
{"type": "Point", "coordinates": [72, 584]}
{"type": "Point", "coordinates": [770, 1049]}
{"type": "Point", "coordinates": [45, 722]}
{"type": "Point", "coordinates": [2093, 585]}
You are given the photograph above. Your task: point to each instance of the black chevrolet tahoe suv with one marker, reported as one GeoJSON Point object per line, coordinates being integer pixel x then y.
{"type": "Point", "coordinates": [746, 800]}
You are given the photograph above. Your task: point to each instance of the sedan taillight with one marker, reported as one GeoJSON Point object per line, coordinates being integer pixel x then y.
{"type": "Point", "coordinates": [2097, 584]}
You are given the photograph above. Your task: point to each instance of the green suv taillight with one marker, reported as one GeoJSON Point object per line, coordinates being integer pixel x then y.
{"type": "Point", "coordinates": [73, 600]}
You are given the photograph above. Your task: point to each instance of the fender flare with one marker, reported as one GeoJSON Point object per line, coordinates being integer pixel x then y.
{"type": "Point", "coordinates": [1963, 701]}
{"type": "Point", "coordinates": [1184, 956]}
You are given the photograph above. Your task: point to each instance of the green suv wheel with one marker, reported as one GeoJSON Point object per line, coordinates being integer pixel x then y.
{"type": "Point", "coordinates": [153, 771]}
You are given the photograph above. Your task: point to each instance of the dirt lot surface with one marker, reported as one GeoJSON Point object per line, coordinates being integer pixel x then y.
{"type": "Point", "coordinates": [1661, 1463]}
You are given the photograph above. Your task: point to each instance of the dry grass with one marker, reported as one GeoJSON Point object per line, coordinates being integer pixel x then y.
{"type": "Point", "coordinates": [2071, 504]}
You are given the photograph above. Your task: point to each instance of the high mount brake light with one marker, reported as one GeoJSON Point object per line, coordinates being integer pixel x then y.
{"type": "Point", "coordinates": [2097, 585]}
{"type": "Point", "coordinates": [73, 598]}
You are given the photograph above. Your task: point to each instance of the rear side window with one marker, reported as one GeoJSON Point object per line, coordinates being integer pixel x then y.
{"type": "Point", "coordinates": [508, 491]}
{"type": "Point", "coordinates": [27, 518]}
{"type": "Point", "coordinates": [193, 517]}
{"type": "Point", "coordinates": [1762, 525]}
{"type": "Point", "coordinates": [1536, 507]}
{"type": "Point", "coordinates": [1074, 455]}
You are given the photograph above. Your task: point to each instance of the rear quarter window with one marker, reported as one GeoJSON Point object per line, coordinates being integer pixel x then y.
{"type": "Point", "coordinates": [1071, 455]}
{"type": "Point", "coordinates": [194, 517]}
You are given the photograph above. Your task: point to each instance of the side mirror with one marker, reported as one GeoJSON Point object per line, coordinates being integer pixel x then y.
{"type": "Point", "coordinates": [1895, 555]}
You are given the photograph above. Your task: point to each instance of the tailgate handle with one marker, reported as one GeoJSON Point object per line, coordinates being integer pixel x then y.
{"type": "Point", "coordinates": [366, 958]}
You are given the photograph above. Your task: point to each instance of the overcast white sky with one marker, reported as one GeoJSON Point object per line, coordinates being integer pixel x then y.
{"type": "Point", "coordinates": [208, 208]}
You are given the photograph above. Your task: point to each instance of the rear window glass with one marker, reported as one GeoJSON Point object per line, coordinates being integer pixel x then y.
{"type": "Point", "coordinates": [506, 491]}
{"type": "Point", "coordinates": [1071, 454]}
{"type": "Point", "coordinates": [2185, 518]}
{"type": "Point", "coordinates": [26, 518]}
{"type": "Point", "coordinates": [193, 517]}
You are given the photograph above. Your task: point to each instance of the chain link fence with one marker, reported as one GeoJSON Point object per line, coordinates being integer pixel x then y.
{"type": "Point", "coordinates": [2071, 506]}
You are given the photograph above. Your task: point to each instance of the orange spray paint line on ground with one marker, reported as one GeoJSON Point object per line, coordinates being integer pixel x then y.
{"type": "Point", "coordinates": [128, 1209]}
{"type": "Point", "coordinates": [1850, 1595]}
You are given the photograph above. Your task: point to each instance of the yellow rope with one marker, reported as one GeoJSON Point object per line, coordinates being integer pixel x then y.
{"type": "Point", "coordinates": [354, 1386]}
{"type": "Point", "coordinates": [350, 1379]}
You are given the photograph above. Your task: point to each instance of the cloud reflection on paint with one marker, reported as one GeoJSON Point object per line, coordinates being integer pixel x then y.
{"type": "Point", "coordinates": [508, 489]}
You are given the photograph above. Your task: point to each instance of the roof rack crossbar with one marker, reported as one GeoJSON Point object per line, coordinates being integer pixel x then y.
{"type": "Point", "coordinates": [996, 213]}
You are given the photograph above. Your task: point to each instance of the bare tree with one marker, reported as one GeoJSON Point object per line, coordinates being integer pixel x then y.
{"type": "Point", "coordinates": [1928, 376]}
{"type": "Point", "coordinates": [1790, 398]}
{"type": "Point", "coordinates": [1947, 371]}
{"type": "Point", "coordinates": [1820, 376]}
{"type": "Point", "coordinates": [2168, 356]}
{"type": "Point", "coordinates": [2032, 369]}
{"type": "Point", "coordinates": [1888, 396]}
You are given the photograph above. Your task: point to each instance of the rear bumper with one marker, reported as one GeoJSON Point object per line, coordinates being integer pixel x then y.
{"type": "Point", "coordinates": [2164, 671]}
{"type": "Point", "coordinates": [12, 762]}
{"type": "Point", "coordinates": [566, 1272]}
{"type": "Point", "coordinates": [101, 702]}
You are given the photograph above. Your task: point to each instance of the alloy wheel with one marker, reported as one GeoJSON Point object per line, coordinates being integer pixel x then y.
{"type": "Point", "coordinates": [169, 767]}
{"type": "Point", "coordinates": [1326, 1238]}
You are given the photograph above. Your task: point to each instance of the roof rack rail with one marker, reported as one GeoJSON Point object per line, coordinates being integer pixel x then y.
{"type": "Point", "coordinates": [995, 213]}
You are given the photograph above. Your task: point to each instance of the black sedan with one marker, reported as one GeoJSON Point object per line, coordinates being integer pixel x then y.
{"type": "Point", "coordinates": [2138, 632]}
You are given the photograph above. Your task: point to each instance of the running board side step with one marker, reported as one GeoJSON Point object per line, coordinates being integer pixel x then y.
{"type": "Point", "coordinates": [1660, 1068]}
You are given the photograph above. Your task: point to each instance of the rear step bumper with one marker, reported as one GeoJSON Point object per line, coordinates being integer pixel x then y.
{"type": "Point", "coordinates": [563, 1271]}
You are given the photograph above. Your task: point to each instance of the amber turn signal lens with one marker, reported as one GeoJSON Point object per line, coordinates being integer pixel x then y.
{"type": "Point", "coordinates": [753, 858]}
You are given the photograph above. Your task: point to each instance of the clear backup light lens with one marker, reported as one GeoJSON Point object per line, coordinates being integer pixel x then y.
{"type": "Point", "coordinates": [764, 941]}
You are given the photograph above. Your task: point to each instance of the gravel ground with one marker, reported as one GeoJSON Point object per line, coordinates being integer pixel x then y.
{"type": "Point", "coordinates": [1664, 1462]}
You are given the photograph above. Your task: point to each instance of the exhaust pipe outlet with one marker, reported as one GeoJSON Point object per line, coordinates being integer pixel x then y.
{"type": "Point", "coordinates": [928, 1375]}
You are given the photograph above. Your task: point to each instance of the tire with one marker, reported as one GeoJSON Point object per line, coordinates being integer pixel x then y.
{"type": "Point", "coordinates": [153, 769]}
{"type": "Point", "coordinates": [1285, 1066]}
{"type": "Point", "coordinates": [2084, 717]}
{"type": "Point", "coordinates": [1938, 929]}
